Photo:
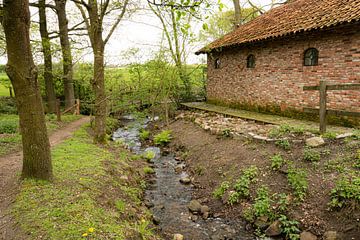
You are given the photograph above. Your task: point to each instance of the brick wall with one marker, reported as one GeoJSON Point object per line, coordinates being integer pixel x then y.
{"type": "Point", "coordinates": [279, 74]}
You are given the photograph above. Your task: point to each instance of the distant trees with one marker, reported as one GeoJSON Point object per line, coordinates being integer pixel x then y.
{"type": "Point", "coordinates": [23, 75]}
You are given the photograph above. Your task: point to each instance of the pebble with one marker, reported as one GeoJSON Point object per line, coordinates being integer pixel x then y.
{"type": "Point", "coordinates": [178, 236]}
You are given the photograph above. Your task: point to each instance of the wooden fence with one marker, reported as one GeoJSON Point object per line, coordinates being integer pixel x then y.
{"type": "Point", "coordinates": [74, 109]}
{"type": "Point", "coordinates": [323, 112]}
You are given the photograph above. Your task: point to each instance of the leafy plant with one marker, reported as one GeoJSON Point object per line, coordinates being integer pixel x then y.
{"type": "Point", "coordinates": [233, 198]}
{"type": "Point", "coordinates": [163, 138]}
{"type": "Point", "coordinates": [297, 179]}
{"type": "Point", "coordinates": [329, 135]}
{"type": "Point", "coordinates": [149, 155]}
{"type": "Point", "coordinates": [283, 143]}
{"type": "Point", "coordinates": [148, 170]}
{"type": "Point", "coordinates": [282, 202]}
{"type": "Point", "coordinates": [226, 133]}
{"type": "Point", "coordinates": [289, 228]}
{"type": "Point", "coordinates": [120, 205]}
{"type": "Point", "coordinates": [285, 129]}
{"type": "Point", "coordinates": [311, 155]}
{"type": "Point", "coordinates": [277, 162]}
{"type": "Point", "coordinates": [346, 191]}
{"type": "Point", "coordinates": [144, 135]}
{"type": "Point", "coordinates": [262, 205]}
{"type": "Point", "coordinates": [242, 185]}
{"type": "Point", "coordinates": [219, 192]}
{"type": "Point", "coordinates": [8, 126]}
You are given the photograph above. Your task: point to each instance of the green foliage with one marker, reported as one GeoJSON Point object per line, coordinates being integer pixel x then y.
{"type": "Point", "coordinates": [284, 129]}
{"type": "Point", "coordinates": [219, 191]}
{"type": "Point", "coordinates": [163, 138]}
{"type": "Point", "coordinates": [346, 192]}
{"type": "Point", "coordinates": [120, 205]}
{"type": "Point", "coordinates": [9, 124]}
{"type": "Point", "coordinates": [226, 133]}
{"type": "Point", "coordinates": [242, 185]}
{"type": "Point", "coordinates": [149, 155]}
{"type": "Point", "coordinates": [282, 202]}
{"type": "Point", "coordinates": [283, 143]}
{"type": "Point", "coordinates": [357, 159]}
{"type": "Point", "coordinates": [329, 135]}
{"type": "Point", "coordinates": [262, 205]}
{"type": "Point", "coordinates": [144, 135]}
{"type": "Point", "coordinates": [297, 179]}
{"type": "Point", "coordinates": [8, 105]}
{"type": "Point", "coordinates": [111, 125]}
{"type": "Point", "coordinates": [289, 228]}
{"type": "Point", "coordinates": [234, 197]}
{"type": "Point", "coordinates": [311, 155]}
{"type": "Point", "coordinates": [148, 170]}
{"type": "Point", "coordinates": [277, 162]}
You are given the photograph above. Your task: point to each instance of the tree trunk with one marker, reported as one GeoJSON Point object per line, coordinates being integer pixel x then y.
{"type": "Point", "coordinates": [237, 9]}
{"type": "Point", "coordinates": [98, 85]}
{"type": "Point", "coordinates": [46, 49]}
{"type": "Point", "coordinates": [23, 75]}
{"type": "Point", "coordinates": [66, 53]}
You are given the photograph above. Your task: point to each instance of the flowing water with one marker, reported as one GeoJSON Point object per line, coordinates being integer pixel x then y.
{"type": "Point", "coordinates": [169, 198]}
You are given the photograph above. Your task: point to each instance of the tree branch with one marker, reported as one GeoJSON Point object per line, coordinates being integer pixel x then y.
{"type": "Point", "coordinates": [117, 22]}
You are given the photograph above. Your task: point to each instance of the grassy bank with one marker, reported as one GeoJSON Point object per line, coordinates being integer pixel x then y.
{"type": "Point", "coordinates": [10, 138]}
{"type": "Point", "coordinates": [96, 194]}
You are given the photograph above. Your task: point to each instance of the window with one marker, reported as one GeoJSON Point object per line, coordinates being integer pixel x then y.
{"type": "Point", "coordinates": [311, 56]}
{"type": "Point", "coordinates": [217, 63]}
{"type": "Point", "coordinates": [250, 62]}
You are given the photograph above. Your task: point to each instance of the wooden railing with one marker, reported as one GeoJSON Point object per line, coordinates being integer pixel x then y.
{"type": "Point", "coordinates": [323, 112]}
{"type": "Point", "coordinates": [74, 109]}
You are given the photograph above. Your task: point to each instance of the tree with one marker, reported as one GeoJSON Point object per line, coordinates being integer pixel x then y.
{"type": "Point", "coordinates": [46, 49]}
{"type": "Point", "coordinates": [23, 75]}
{"type": "Point", "coordinates": [93, 14]}
{"type": "Point", "coordinates": [66, 53]}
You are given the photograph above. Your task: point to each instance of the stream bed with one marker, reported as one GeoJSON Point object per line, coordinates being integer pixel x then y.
{"type": "Point", "coordinates": [169, 199]}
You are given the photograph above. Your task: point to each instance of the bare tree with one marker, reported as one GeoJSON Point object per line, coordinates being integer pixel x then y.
{"type": "Point", "coordinates": [23, 75]}
{"type": "Point", "coordinates": [93, 13]}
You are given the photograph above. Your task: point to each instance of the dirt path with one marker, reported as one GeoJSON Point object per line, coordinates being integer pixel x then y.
{"type": "Point", "coordinates": [10, 166]}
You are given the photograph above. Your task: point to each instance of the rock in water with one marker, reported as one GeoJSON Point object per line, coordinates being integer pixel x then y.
{"type": "Point", "coordinates": [178, 237]}
{"type": "Point", "coordinates": [274, 229]}
{"type": "Point", "coordinates": [315, 142]}
{"type": "Point", "coordinates": [194, 206]}
{"type": "Point", "coordinates": [307, 236]}
{"type": "Point", "coordinates": [185, 180]}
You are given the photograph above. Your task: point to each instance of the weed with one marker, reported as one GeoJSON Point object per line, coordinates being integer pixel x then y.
{"type": "Point", "coordinates": [285, 129]}
{"type": "Point", "coordinates": [120, 205]}
{"type": "Point", "coordinates": [346, 191]}
{"type": "Point", "coordinates": [283, 143]}
{"type": "Point", "coordinates": [163, 138]}
{"type": "Point", "coordinates": [234, 197]}
{"type": "Point", "coordinates": [248, 214]}
{"type": "Point", "coordinates": [9, 125]}
{"type": "Point", "coordinates": [111, 125]}
{"type": "Point", "coordinates": [144, 135]}
{"type": "Point", "coordinates": [329, 135]}
{"type": "Point", "coordinates": [148, 170]}
{"type": "Point", "coordinates": [311, 155]}
{"type": "Point", "coordinates": [282, 202]}
{"type": "Point", "coordinates": [149, 155]}
{"type": "Point", "coordinates": [277, 162]}
{"type": "Point", "coordinates": [219, 192]}
{"type": "Point", "coordinates": [334, 164]}
{"type": "Point", "coordinates": [242, 185]}
{"type": "Point", "coordinates": [289, 228]}
{"type": "Point", "coordinates": [226, 133]}
{"type": "Point", "coordinates": [262, 205]}
{"type": "Point", "coordinates": [199, 170]}
{"type": "Point", "coordinates": [297, 179]}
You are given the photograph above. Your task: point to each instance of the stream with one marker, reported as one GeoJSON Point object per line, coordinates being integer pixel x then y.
{"type": "Point", "coordinates": [169, 198]}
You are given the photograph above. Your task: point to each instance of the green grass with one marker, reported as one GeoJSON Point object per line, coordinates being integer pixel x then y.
{"type": "Point", "coordinates": [69, 208]}
{"type": "Point", "coordinates": [4, 91]}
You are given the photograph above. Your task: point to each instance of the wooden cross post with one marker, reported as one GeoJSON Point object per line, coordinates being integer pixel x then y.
{"type": "Point", "coordinates": [322, 111]}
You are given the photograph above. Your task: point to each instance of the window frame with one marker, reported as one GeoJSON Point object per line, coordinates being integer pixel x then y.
{"type": "Point", "coordinates": [307, 61]}
{"type": "Point", "coordinates": [250, 61]}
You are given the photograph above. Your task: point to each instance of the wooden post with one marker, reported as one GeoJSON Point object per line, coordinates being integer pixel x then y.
{"type": "Point", "coordinates": [322, 111]}
{"type": "Point", "coordinates": [58, 112]}
{"type": "Point", "coordinates": [77, 111]}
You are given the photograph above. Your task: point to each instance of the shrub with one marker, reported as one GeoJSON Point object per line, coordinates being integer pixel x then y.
{"type": "Point", "coordinates": [8, 105]}
{"type": "Point", "coordinates": [297, 179]}
{"type": "Point", "coordinates": [8, 126]}
{"type": "Point", "coordinates": [311, 155]}
{"type": "Point", "coordinates": [111, 125]}
{"type": "Point", "coordinates": [284, 144]}
{"type": "Point", "coordinates": [163, 138]}
{"type": "Point", "coordinates": [347, 190]}
{"type": "Point", "coordinates": [277, 162]}
{"type": "Point", "coordinates": [219, 191]}
{"type": "Point", "coordinates": [144, 135]}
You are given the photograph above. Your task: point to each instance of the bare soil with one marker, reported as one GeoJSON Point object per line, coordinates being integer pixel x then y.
{"type": "Point", "coordinates": [10, 167]}
{"type": "Point", "coordinates": [212, 159]}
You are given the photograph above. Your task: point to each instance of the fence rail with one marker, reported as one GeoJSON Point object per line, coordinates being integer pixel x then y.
{"type": "Point", "coordinates": [323, 112]}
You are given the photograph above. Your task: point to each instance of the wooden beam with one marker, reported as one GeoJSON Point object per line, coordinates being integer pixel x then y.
{"type": "Point", "coordinates": [322, 104]}
{"type": "Point", "coordinates": [350, 86]}
{"type": "Point", "coordinates": [311, 88]}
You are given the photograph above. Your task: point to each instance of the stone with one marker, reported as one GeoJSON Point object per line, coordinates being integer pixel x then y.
{"type": "Point", "coordinates": [194, 218]}
{"type": "Point", "coordinates": [178, 236]}
{"type": "Point", "coordinates": [274, 229]}
{"type": "Point", "coordinates": [156, 220]}
{"type": "Point", "coordinates": [205, 215]}
{"type": "Point", "coordinates": [315, 142]}
{"type": "Point", "coordinates": [194, 206]}
{"type": "Point", "coordinates": [307, 236]}
{"type": "Point", "coordinates": [330, 235]}
{"type": "Point", "coordinates": [204, 209]}
{"type": "Point", "coordinates": [262, 222]}
{"type": "Point", "coordinates": [185, 180]}
{"type": "Point", "coordinates": [345, 135]}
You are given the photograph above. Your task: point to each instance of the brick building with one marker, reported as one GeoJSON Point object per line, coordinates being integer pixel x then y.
{"type": "Point", "coordinates": [265, 63]}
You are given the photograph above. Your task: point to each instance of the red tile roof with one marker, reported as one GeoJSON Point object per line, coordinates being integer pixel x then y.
{"type": "Point", "coordinates": [291, 18]}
